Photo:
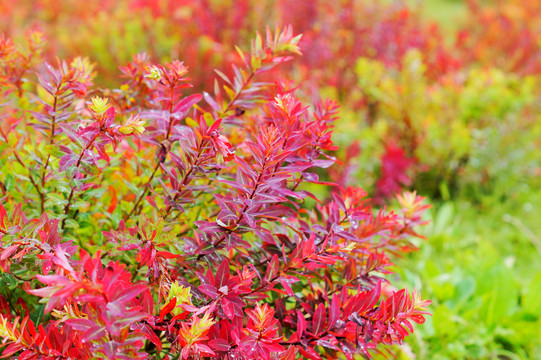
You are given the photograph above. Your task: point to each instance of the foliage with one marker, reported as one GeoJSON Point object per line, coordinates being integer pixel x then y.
{"type": "Point", "coordinates": [180, 180]}
{"type": "Point", "coordinates": [482, 271]}
{"type": "Point", "coordinates": [144, 223]}
{"type": "Point", "coordinates": [449, 131]}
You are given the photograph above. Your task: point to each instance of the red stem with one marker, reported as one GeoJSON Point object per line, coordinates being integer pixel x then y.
{"type": "Point", "coordinates": [51, 142]}
{"type": "Point", "coordinates": [186, 178]}
{"type": "Point", "coordinates": [149, 182]}
{"type": "Point", "coordinates": [70, 198]}
{"type": "Point", "coordinates": [237, 222]}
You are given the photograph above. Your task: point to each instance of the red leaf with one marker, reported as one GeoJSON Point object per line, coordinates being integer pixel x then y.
{"type": "Point", "coordinates": [151, 335]}
{"type": "Point", "coordinates": [114, 199]}
{"type": "Point", "coordinates": [334, 312]}
{"type": "Point", "coordinates": [318, 320]}
{"type": "Point", "coordinates": [309, 353]}
{"type": "Point", "coordinates": [109, 116]}
{"type": "Point", "coordinates": [3, 216]}
{"type": "Point", "coordinates": [168, 308]}
{"type": "Point", "coordinates": [186, 103]}
{"type": "Point", "coordinates": [130, 294]}
{"type": "Point", "coordinates": [272, 269]}
{"type": "Point", "coordinates": [167, 254]}
{"type": "Point", "coordinates": [10, 250]}
{"type": "Point", "coordinates": [219, 345]}
{"type": "Point", "coordinates": [301, 323]}
{"type": "Point", "coordinates": [222, 275]}
{"type": "Point", "coordinates": [289, 354]}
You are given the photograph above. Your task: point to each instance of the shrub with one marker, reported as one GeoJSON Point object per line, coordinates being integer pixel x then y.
{"type": "Point", "coordinates": [140, 222]}
{"type": "Point", "coordinates": [442, 136]}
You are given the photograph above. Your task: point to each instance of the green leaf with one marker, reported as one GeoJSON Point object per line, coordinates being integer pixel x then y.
{"type": "Point", "coordinates": [54, 151]}
{"type": "Point", "coordinates": [56, 199]}
{"type": "Point", "coordinates": [72, 224]}
{"type": "Point", "coordinates": [37, 315]}
{"type": "Point", "coordinates": [9, 182]}
{"type": "Point", "coordinates": [531, 301]}
{"type": "Point", "coordinates": [80, 204]}
{"type": "Point", "coordinates": [463, 291]}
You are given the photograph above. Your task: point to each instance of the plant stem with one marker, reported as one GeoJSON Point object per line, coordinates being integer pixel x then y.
{"type": "Point", "coordinates": [237, 222]}
{"type": "Point", "coordinates": [186, 178]}
{"type": "Point", "coordinates": [237, 95]}
{"type": "Point", "coordinates": [70, 197]}
{"type": "Point", "coordinates": [149, 182]}
{"type": "Point", "coordinates": [147, 185]}
{"type": "Point", "coordinates": [51, 142]}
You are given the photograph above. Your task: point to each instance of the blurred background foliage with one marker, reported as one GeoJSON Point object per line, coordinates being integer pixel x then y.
{"type": "Point", "coordinates": [440, 96]}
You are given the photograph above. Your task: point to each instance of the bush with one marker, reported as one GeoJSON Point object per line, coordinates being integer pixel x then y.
{"type": "Point", "coordinates": [442, 137]}
{"type": "Point", "coordinates": [139, 222]}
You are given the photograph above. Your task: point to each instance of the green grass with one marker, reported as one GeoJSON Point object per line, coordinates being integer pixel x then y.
{"type": "Point", "coordinates": [480, 265]}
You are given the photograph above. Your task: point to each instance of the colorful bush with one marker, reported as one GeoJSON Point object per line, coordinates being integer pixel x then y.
{"type": "Point", "coordinates": [141, 222]}
{"type": "Point", "coordinates": [449, 131]}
